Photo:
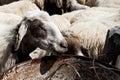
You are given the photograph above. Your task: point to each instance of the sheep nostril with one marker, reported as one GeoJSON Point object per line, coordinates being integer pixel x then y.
{"type": "Point", "coordinates": [63, 45]}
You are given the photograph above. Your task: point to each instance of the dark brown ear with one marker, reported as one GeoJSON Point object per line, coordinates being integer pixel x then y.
{"type": "Point", "coordinates": [46, 63]}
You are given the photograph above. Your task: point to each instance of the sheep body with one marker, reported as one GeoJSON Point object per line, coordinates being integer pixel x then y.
{"type": "Point", "coordinates": [92, 25]}
{"type": "Point", "coordinates": [7, 30]}
{"type": "Point", "coordinates": [92, 36]}
{"type": "Point", "coordinates": [76, 6]}
{"type": "Point", "coordinates": [51, 6]}
{"type": "Point", "coordinates": [24, 35]}
{"type": "Point", "coordinates": [95, 13]}
{"type": "Point", "coordinates": [103, 3]}
{"type": "Point", "coordinates": [61, 22]}
{"type": "Point", "coordinates": [109, 3]}
{"type": "Point", "coordinates": [19, 7]}
{"type": "Point", "coordinates": [59, 6]}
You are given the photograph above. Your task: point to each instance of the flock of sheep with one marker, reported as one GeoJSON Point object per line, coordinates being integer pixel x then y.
{"type": "Point", "coordinates": [35, 28]}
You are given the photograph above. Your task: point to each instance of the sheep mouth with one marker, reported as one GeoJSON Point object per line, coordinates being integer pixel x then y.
{"type": "Point", "coordinates": [56, 52]}
{"type": "Point", "coordinates": [57, 49]}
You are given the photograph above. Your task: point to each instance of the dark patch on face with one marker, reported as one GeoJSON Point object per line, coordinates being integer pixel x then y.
{"type": "Point", "coordinates": [37, 30]}
{"type": "Point", "coordinates": [73, 44]}
{"type": "Point", "coordinates": [46, 63]}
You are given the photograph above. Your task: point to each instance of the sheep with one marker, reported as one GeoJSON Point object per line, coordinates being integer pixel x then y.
{"type": "Point", "coordinates": [7, 26]}
{"type": "Point", "coordinates": [74, 47]}
{"type": "Point", "coordinates": [58, 6]}
{"type": "Point", "coordinates": [84, 39]}
{"type": "Point", "coordinates": [39, 3]}
{"type": "Point", "coordinates": [10, 19]}
{"type": "Point", "coordinates": [34, 30]}
{"type": "Point", "coordinates": [55, 6]}
{"type": "Point", "coordinates": [94, 13]}
{"type": "Point", "coordinates": [91, 3]}
{"type": "Point", "coordinates": [92, 36]}
{"type": "Point", "coordinates": [108, 3]}
{"type": "Point", "coordinates": [91, 27]}
{"type": "Point", "coordinates": [51, 6]}
{"type": "Point", "coordinates": [111, 49]}
{"type": "Point", "coordinates": [19, 7]}
{"type": "Point", "coordinates": [102, 3]}
{"type": "Point", "coordinates": [76, 6]}
{"type": "Point", "coordinates": [70, 15]}
{"type": "Point", "coordinates": [79, 42]}
{"type": "Point", "coordinates": [61, 22]}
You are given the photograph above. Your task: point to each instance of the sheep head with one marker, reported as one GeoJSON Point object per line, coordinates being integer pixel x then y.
{"type": "Point", "coordinates": [73, 40]}
{"type": "Point", "coordinates": [42, 32]}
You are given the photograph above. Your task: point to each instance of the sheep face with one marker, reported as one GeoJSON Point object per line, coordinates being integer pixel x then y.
{"type": "Point", "coordinates": [43, 33]}
{"type": "Point", "coordinates": [74, 47]}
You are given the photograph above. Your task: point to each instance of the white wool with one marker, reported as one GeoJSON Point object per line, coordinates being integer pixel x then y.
{"type": "Point", "coordinates": [70, 15]}
{"type": "Point", "coordinates": [61, 22]}
{"type": "Point", "coordinates": [94, 13]}
{"type": "Point", "coordinates": [76, 6]}
{"type": "Point", "coordinates": [6, 38]}
{"type": "Point", "coordinates": [8, 24]}
{"type": "Point", "coordinates": [19, 7]}
{"type": "Point", "coordinates": [91, 35]}
{"type": "Point", "coordinates": [7, 34]}
{"type": "Point", "coordinates": [10, 19]}
{"type": "Point", "coordinates": [42, 15]}
{"type": "Point", "coordinates": [102, 3]}
{"type": "Point", "coordinates": [109, 3]}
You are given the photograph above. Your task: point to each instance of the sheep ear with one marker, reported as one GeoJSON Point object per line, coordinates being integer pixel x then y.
{"type": "Point", "coordinates": [20, 34]}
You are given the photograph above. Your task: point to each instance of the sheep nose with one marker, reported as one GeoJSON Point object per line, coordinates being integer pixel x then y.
{"type": "Point", "coordinates": [64, 45]}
